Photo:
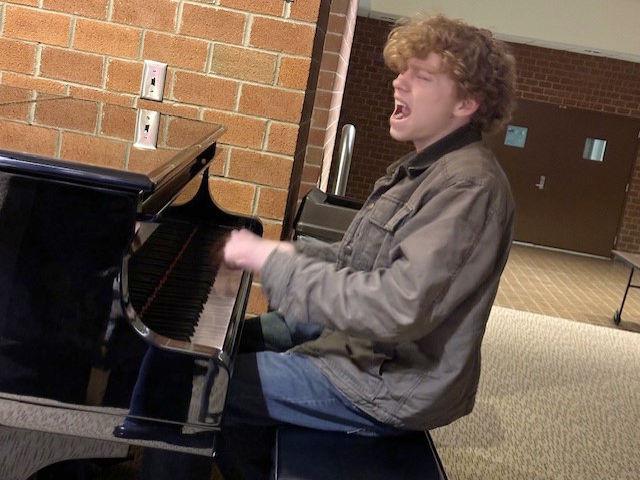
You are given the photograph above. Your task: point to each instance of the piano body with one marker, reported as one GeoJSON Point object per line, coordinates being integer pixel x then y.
{"type": "Point", "coordinates": [115, 307]}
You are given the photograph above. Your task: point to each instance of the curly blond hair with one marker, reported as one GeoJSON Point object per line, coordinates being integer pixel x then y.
{"type": "Point", "coordinates": [481, 65]}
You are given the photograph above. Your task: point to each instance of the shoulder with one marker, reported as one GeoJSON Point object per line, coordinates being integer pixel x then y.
{"type": "Point", "coordinates": [473, 163]}
{"type": "Point", "coordinates": [476, 167]}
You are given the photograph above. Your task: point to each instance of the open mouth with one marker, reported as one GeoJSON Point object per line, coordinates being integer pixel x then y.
{"type": "Point", "coordinates": [401, 112]}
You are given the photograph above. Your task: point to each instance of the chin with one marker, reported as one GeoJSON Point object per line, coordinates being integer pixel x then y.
{"type": "Point", "coordinates": [398, 136]}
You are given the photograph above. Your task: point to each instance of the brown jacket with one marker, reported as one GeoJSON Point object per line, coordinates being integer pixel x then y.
{"type": "Point", "coordinates": [405, 296]}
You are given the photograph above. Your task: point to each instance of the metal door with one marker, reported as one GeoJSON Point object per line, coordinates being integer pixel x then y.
{"type": "Point", "coordinates": [568, 170]}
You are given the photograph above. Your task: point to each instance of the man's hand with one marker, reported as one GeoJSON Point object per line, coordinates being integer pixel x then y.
{"type": "Point", "coordinates": [248, 251]}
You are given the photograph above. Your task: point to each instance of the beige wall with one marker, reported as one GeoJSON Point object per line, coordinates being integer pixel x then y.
{"type": "Point", "coordinates": [610, 26]}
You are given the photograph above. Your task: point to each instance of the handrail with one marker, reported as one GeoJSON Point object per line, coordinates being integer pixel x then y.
{"type": "Point", "coordinates": [347, 140]}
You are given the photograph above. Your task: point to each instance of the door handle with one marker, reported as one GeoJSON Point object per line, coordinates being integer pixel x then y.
{"type": "Point", "coordinates": [540, 184]}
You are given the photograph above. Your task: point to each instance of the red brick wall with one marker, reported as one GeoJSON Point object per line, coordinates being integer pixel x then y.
{"type": "Point", "coordinates": [553, 76]}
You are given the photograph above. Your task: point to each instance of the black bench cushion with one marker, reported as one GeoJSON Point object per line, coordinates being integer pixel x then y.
{"type": "Point", "coordinates": [310, 455]}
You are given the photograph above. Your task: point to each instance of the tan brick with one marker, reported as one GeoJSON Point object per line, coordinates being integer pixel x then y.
{"type": "Point", "coordinates": [145, 161]}
{"type": "Point", "coordinates": [123, 76]}
{"type": "Point", "coordinates": [307, 10]}
{"type": "Point", "coordinates": [235, 197]}
{"type": "Point", "coordinates": [258, 302]}
{"type": "Point", "coordinates": [272, 203]}
{"type": "Point", "coordinates": [294, 72]}
{"type": "Point", "coordinates": [37, 25]}
{"type": "Point", "coordinates": [314, 155]}
{"type": "Point", "coordinates": [320, 118]}
{"type": "Point", "coordinates": [272, 231]}
{"type": "Point", "coordinates": [260, 168]}
{"type": "Point", "coordinates": [71, 114]}
{"type": "Point", "coordinates": [310, 174]}
{"type": "Point", "coordinates": [15, 111]}
{"type": "Point", "coordinates": [119, 122]}
{"type": "Point", "coordinates": [93, 150]}
{"type": "Point", "coordinates": [241, 131]}
{"type": "Point", "coordinates": [220, 160]}
{"type": "Point", "coordinates": [107, 38]}
{"type": "Point", "coordinates": [170, 108]}
{"type": "Point", "coordinates": [271, 103]}
{"type": "Point", "coordinates": [20, 137]}
{"type": "Point", "coordinates": [212, 23]}
{"type": "Point", "coordinates": [205, 91]}
{"type": "Point", "coordinates": [175, 50]}
{"type": "Point", "coordinates": [29, 82]}
{"type": "Point", "coordinates": [330, 62]}
{"type": "Point", "coordinates": [25, 2]}
{"type": "Point", "coordinates": [323, 99]}
{"type": "Point", "coordinates": [243, 63]}
{"type": "Point", "coordinates": [333, 42]}
{"type": "Point", "coordinates": [340, 6]}
{"type": "Point", "coordinates": [73, 66]}
{"type": "Point", "coordinates": [304, 189]}
{"type": "Point", "coordinates": [317, 136]}
{"type": "Point", "coordinates": [326, 80]}
{"type": "Point", "coordinates": [158, 14]}
{"type": "Point", "coordinates": [282, 36]}
{"type": "Point", "coordinates": [85, 8]}
{"type": "Point", "coordinates": [337, 23]}
{"type": "Point", "coordinates": [282, 138]}
{"type": "Point", "coordinates": [17, 56]}
{"type": "Point", "coordinates": [188, 192]}
{"type": "Point", "coordinates": [183, 132]}
{"type": "Point", "coordinates": [267, 7]}
{"type": "Point", "coordinates": [101, 96]}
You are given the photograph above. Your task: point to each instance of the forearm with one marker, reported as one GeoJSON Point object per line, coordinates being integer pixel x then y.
{"type": "Point", "coordinates": [312, 247]}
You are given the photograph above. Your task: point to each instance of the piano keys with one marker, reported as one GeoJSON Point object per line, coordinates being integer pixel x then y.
{"type": "Point", "coordinates": [99, 266]}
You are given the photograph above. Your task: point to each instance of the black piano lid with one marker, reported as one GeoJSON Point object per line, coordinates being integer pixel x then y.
{"type": "Point", "coordinates": [91, 143]}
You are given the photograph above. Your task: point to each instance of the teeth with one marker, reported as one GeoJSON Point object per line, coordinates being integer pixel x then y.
{"type": "Point", "coordinates": [401, 111]}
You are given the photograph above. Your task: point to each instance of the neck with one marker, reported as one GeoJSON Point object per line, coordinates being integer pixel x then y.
{"type": "Point", "coordinates": [422, 144]}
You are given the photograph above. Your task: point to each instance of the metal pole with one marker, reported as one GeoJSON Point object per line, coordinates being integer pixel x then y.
{"type": "Point", "coordinates": [344, 158]}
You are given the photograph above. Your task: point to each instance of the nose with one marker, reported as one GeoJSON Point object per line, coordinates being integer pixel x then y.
{"type": "Point", "coordinates": [400, 81]}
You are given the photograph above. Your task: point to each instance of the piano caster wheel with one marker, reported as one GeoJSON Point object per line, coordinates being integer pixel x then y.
{"type": "Point", "coordinates": [617, 317]}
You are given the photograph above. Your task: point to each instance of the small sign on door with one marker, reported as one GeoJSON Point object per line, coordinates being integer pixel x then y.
{"type": "Point", "coordinates": [516, 136]}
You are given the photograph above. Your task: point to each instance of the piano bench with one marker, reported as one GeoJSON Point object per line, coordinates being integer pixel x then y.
{"type": "Point", "coordinates": [303, 454]}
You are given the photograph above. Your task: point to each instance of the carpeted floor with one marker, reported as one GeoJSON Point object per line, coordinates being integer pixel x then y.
{"type": "Point", "coordinates": [558, 400]}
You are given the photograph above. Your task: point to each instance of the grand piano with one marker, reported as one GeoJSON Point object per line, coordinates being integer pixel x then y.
{"type": "Point", "coordinates": [118, 320]}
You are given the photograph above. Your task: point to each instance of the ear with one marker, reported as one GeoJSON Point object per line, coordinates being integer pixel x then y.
{"type": "Point", "coordinates": [466, 107]}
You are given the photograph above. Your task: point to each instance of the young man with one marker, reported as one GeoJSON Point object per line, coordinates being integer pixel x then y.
{"type": "Point", "coordinates": [386, 325]}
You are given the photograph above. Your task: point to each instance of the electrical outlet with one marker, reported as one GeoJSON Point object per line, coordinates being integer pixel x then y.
{"type": "Point", "coordinates": [147, 126]}
{"type": "Point", "coordinates": [153, 76]}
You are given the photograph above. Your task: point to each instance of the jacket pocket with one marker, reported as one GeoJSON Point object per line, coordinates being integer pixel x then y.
{"type": "Point", "coordinates": [388, 213]}
{"type": "Point", "coordinates": [377, 233]}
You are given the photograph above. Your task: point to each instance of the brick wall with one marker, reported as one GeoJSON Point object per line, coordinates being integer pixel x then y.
{"type": "Point", "coordinates": [553, 76]}
{"type": "Point", "coordinates": [242, 63]}
{"type": "Point", "coordinates": [331, 83]}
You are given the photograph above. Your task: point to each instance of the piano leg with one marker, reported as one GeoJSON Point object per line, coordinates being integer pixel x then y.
{"type": "Point", "coordinates": [24, 452]}
{"type": "Point", "coordinates": [163, 391]}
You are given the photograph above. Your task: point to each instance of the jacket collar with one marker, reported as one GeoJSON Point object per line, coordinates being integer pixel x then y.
{"type": "Point", "coordinates": [416, 162]}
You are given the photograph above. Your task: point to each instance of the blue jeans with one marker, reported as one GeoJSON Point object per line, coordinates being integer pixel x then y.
{"type": "Point", "coordinates": [278, 387]}
{"type": "Point", "coordinates": [272, 387]}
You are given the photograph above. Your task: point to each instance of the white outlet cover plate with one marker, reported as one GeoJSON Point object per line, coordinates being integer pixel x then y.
{"type": "Point", "coordinates": [153, 76]}
{"type": "Point", "coordinates": [147, 126]}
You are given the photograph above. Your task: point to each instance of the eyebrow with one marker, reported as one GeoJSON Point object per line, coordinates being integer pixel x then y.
{"type": "Point", "coordinates": [425, 70]}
